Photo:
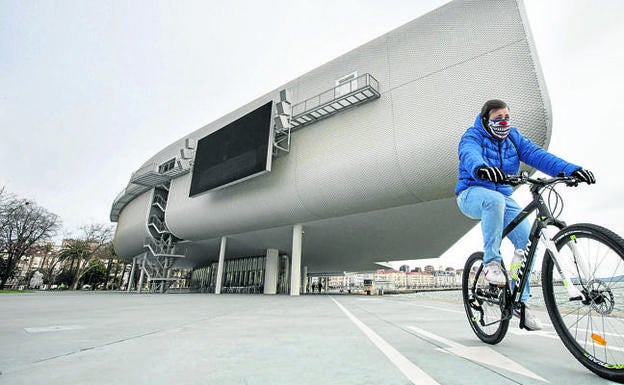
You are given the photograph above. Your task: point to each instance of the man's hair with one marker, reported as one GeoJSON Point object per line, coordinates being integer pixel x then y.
{"type": "Point", "coordinates": [490, 105]}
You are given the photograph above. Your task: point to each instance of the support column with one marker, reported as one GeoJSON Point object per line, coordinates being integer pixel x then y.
{"type": "Point", "coordinates": [271, 271]}
{"type": "Point", "coordinates": [165, 282]}
{"type": "Point", "coordinates": [131, 276]}
{"type": "Point", "coordinates": [295, 267]}
{"type": "Point", "coordinates": [220, 265]}
{"type": "Point", "coordinates": [286, 277]}
{"type": "Point", "coordinates": [304, 280]}
{"type": "Point", "coordinates": [140, 284]}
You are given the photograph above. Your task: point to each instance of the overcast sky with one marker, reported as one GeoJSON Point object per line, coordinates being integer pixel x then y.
{"type": "Point", "coordinates": [90, 90]}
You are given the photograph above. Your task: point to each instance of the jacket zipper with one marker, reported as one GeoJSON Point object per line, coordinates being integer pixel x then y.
{"type": "Point", "coordinates": [500, 157]}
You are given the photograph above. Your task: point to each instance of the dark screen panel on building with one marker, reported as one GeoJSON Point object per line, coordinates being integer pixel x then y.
{"type": "Point", "coordinates": [236, 152]}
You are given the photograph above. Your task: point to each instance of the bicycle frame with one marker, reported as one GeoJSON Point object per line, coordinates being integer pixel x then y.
{"type": "Point", "coordinates": [538, 234]}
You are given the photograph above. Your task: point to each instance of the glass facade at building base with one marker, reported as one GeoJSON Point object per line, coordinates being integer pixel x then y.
{"type": "Point", "coordinates": [240, 276]}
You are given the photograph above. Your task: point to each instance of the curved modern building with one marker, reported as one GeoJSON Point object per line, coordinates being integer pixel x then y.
{"type": "Point", "coordinates": [352, 163]}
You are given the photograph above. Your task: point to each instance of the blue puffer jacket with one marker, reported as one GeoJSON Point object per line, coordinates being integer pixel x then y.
{"type": "Point", "coordinates": [478, 148]}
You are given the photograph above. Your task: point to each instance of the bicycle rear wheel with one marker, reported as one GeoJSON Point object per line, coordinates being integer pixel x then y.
{"type": "Point", "coordinates": [484, 303]}
{"type": "Point", "coordinates": [592, 257]}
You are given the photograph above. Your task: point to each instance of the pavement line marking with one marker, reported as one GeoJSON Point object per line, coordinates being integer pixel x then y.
{"type": "Point", "coordinates": [407, 367]}
{"type": "Point", "coordinates": [440, 309]}
{"type": "Point", "coordinates": [53, 328]}
{"type": "Point", "coordinates": [535, 333]}
{"type": "Point", "coordinates": [482, 354]}
{"type": "Point", "coordinates": [555, 336]}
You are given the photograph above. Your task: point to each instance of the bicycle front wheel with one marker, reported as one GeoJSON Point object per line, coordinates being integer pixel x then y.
{"type": "Point", "coordinates": [590, 325]}
{"type": "Point", "coordinates": [484, 303]}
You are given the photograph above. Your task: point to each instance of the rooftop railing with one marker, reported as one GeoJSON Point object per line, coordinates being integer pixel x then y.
{"type": "Point", "coordinates": [142, 180]}
{"type": "Point", "coordinates": [151, 175]}
{"type": "Point", "coordinates": [362, 89]}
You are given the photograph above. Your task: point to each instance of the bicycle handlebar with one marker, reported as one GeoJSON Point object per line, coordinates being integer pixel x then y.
{"type": "Point", "coordinates": [523, 178]}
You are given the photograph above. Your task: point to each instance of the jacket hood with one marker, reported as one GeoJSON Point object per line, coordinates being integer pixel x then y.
{"type": "Point", "coordinates": [478, 124]}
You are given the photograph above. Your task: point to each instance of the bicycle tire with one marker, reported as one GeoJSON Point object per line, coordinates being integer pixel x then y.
{"type": "Point", "coordinates": [592, 330]}
{"type": "Point", "coordinates": [478, 308]}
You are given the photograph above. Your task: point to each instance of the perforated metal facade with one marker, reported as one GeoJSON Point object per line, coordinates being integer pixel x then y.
{"type": "Point", "coordinates": [375, 182]}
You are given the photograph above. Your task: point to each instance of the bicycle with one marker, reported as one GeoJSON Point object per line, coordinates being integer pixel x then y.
{"type": "Point", "coordinates": [582, 282]}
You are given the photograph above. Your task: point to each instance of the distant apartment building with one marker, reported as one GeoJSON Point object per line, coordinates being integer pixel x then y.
{"type": "Point", "coordinates": [443, 278]}
{"type": "Point", "coordinates": [418, 279]}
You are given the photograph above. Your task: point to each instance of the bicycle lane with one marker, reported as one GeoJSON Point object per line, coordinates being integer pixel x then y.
{"type": "Point", "coordinates": [435, 337]}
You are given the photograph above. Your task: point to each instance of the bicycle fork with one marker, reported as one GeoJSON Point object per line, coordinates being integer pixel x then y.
{"type": "Point", "coordinates": [574, 294]}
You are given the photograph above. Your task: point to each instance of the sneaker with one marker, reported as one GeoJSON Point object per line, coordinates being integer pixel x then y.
{"type": "Point", "coordinates": [493, 273]}
{"type": "Point", "coordinates": [530, 321]}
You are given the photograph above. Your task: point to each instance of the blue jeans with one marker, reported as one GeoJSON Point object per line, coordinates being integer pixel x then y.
{"type": "Point", "coordinates": [495, 211]}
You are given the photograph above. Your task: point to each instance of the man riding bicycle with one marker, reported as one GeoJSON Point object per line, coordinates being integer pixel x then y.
{"type": "Point", "coordinates": [488, 151]}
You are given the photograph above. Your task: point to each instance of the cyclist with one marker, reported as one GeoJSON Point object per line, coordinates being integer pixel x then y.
{"type": "Point", "coordinates": [488, 151]}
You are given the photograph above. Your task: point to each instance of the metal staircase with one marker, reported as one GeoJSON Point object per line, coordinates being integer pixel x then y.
{"type": "Point", "coordinates": [161, 246]}
{"type": "Point", "coordinates": [156, 264]}
{"type": "Point", "coordinates": [158, 225]}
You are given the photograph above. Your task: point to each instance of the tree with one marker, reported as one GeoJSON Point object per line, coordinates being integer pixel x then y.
{"type": "Point", "coordinates": [108, 252]}
{"type": "Point", "coordinates": [86, 249]}
{"type": "Point", "coordinates": [23, 225]}
{"type": "Point", "coordinates": [95, 275]}
{"type": "Point", "coordinates": [72, 250]}
{"type": "Point", "coordinates": [4, 266]}
{"type": "Point", "coordinates": [41, 250]}
{"type": "Point", "coordinates": [49, 262]}
{"type": "Point", "coordinates": [64, 277]}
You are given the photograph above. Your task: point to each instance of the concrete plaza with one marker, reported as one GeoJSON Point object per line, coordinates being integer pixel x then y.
{"type": "Point", "coordinates": [120, 338]}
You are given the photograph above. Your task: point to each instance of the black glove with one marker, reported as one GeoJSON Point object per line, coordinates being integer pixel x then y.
{"type": "Point", "coordinates": [493, 174]}
{"type": "Point", "coordinates": [583, 175]}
